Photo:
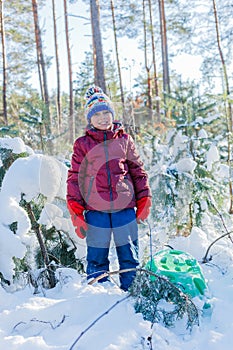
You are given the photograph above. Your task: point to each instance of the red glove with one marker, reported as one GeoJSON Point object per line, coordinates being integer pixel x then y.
{"type": "Point", "coordinates": [76, 212]}
{"type": "Point", "coordinates": [143, 209]}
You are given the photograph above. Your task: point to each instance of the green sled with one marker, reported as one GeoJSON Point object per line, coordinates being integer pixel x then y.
{"type": "Point", "coordinates": [181, 269]}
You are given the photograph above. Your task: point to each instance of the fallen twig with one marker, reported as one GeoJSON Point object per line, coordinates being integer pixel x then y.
{"type": "Point", "coordinates": [94, 322]}
{"type": "Point", "coordinates": [45, 322]}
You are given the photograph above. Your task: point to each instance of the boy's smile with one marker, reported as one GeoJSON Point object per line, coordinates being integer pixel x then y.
{"type": "Point", "coordinates": [102, 120]}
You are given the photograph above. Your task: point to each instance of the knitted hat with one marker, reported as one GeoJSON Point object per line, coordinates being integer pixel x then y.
{"type": "Point", "coordinates": [96, 101]}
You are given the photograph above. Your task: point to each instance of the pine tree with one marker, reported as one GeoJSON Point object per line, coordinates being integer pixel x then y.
{"type": "Point", "coordinates": [160, 301]}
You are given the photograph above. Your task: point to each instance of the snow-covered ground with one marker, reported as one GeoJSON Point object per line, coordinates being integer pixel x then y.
{"type": "Point", "coordinates": [75, 315]}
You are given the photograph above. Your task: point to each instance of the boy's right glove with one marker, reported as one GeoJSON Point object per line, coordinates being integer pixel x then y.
{"type": "Point", "coordinates": [143, 209]}
{"type": "Point", "coordinates": [76, 212]}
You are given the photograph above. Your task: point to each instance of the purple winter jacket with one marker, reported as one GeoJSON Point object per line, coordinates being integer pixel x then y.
{"type": "Point", "coordinates": [106, 172]}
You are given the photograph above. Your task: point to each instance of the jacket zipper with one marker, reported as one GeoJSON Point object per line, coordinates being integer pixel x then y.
{"type": "Point", "coordinates": [89, 188]}
{"type": "Point", "coordinates": [108, 170]}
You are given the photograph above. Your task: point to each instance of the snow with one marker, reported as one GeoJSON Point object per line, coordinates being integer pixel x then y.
{"type": "Point", "coordinates": [78, 316]}
{"type": "Point", "coordinates": [185, 165]}
{"type": "Point", "coordinates": [16, 145]}
{"type": "Point", "coordinates": [212, 157]}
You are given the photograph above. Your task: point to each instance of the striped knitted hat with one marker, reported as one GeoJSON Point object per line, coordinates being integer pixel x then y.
{"type": "Point", "coordinates": [96, 101]}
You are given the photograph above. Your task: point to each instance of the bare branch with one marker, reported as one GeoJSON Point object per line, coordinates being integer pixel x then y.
{"type": "Point", "coordinates": [205, 260]}
{"type": "Point", "coordinates": [53, 326]}
{"type": "Point", "coordinates": [98, 318]}
{"type": "Point", "coordinates": [110, 273]}
{"type": "Point", "coordinates": [228, 233]}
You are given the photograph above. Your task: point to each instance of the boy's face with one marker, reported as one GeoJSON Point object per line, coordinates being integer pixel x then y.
{"type": "Point", "coordinates": [102, 120]}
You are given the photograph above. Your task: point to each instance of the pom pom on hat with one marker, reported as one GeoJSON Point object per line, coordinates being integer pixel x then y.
{"type": "Point", "coordinates": [93, 90]}
{"type": "Point", "coordinates": [97, 101]}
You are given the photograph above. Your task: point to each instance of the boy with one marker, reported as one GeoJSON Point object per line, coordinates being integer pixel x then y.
{"type": "Point", "coordinates": [105, 183]}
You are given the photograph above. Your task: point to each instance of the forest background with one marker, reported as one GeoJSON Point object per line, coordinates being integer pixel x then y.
{"type": "Point", "coordinates": [161, 32]}
{"type": "Point", "coordinates": [183, 128]}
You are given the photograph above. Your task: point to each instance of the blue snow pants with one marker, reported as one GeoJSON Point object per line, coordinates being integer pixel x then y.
{"type": "Point", "coordinates": [123, 227]}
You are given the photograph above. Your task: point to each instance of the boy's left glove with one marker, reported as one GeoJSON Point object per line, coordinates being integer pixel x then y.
{"type": "Point", "coordinates": [76, 212]}
{"type": "Point", "coordinates": [143, 209]}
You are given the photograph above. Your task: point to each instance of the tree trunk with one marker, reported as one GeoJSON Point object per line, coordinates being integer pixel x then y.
{"type": "Point", "coordinates": [154, 64]}
{"type": "Point", "coordinates": [117, 57]}
{"type": "Point", "coordinates": [149, 90]}
{"type": "Point", "coordinates": [42, 74]}
{"type": "Point", "coordinates": [36, 227]}
{"type": "Point", "coordinates": [98, 57]}
{"type": "Point", "coordinates": [163, 33]}
{"type": "Point", "coordinates": [71, 104]}
{"type": "Point", "coordinates": [228, 105]}
{"type": "Point", "coordinates": [57, 67]}
{"type": "Point", "coordinates": [4, 64]}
